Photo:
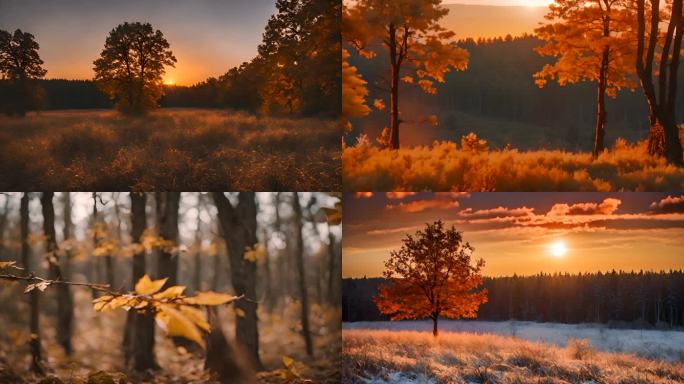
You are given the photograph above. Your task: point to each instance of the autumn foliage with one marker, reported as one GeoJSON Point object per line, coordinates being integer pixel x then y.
{"type": "Point", "coordinates": [432, 276]}
{"type": "Point", "coordinates": [421, 51]}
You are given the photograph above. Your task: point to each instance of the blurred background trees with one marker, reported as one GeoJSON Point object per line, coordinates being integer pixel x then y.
{"type": "Point", "coordinates": [277, 249]}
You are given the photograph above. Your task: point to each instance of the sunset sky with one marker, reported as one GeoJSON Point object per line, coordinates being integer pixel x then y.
{"type": "Point", "coordinates": [208, 37]}
{"type": "Point", "coordinates": [529, 3]}
{"type": "Point", "coordinates": [523, 233]}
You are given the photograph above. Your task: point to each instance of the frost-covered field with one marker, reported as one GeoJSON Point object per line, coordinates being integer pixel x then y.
{"type": "Point", "coordinates": [379, 356]}
{"type": "Point", "coordinates": [655, 344]}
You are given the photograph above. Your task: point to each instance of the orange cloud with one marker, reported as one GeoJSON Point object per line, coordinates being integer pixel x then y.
{"type": "Point", "coordinates": [441, 200]}
{"type": "Point", "coordinates": [670, 204]}
{"type": "Point", "coordinates": [399, 195]}
{"type": "Point", "coordinates": [363, 195]}
{"type": "Point", "coordinates": [606, 207]}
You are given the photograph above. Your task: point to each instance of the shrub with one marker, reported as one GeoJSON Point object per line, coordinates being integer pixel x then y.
{"type": "Point", "coordinates": [580, 349]}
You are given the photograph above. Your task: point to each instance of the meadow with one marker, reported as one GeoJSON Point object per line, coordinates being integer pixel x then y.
{"type": "Point", "coordinates": [170, 149]}
{"type": "Point", "coordinates": [385, 356]}
{"type": "Point", "coordinates": [473, 166]}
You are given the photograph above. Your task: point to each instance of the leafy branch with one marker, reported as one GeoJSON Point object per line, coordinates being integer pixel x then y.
{"type": "Point", "coordinates": [176, 313]}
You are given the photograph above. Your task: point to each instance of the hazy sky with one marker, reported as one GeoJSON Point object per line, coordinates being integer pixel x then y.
{"type": "Point", "coordinates": [208, 37]}
{"type": "Point", "coordinates": [523, 233]}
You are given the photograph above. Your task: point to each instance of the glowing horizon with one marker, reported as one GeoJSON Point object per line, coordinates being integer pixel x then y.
{"type": "Point", "coordinates": [208, 37]}
{"type": "Point", "coordinates": [524, 233]}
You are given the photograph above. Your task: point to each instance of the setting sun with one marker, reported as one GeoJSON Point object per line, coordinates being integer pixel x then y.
{"type": "Point", "coordinates": [169, 82]}
{"type": "Point", "coordinates": [558, 249]}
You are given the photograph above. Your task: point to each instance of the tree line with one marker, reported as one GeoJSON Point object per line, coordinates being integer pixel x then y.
{"type": "Point", "coordinates": [613, 44]}
{"type": "Point", "coordinates": [296, 71]}
{"type": "Point", "coordinates": [266, 249]}
{"type": "Point", "coordinates": [641, 299]}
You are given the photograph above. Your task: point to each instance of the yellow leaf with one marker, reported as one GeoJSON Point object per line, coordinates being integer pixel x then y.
{"type": "Point", "coordinates": [146, 286]}
{"type": "Point", "coordinates": [101, 302]}
{"type": "Point", "coordinates": [176, 323]}
{"type": "Point", "coordinates": [209, 298]}
{"type": "Point", "coordinates": [7, 264]}
{"type": "Point", "coordinates": [170, 292]}
{"type": "Point", "coordinates": [239, 312]}
{"type": "Point", "coordinates": [196, 316]}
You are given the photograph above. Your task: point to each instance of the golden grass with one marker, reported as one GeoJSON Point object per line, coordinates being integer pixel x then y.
{"type": "Point", "coordinates": [172, 149]}
{"type": "Point", "coordinates": [472, 358]}
{"type": "Point", "coordinates": [444, 166]}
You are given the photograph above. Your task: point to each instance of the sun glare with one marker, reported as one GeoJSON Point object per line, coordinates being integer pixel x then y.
{"type": "Point", "coordinates": [558, 249]}
{"type": "Point", "coordinates": [169, 82]}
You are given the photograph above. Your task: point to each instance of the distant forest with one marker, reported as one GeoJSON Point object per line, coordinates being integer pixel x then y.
{"type": "Point", "coordinates": [496, 98]}
{"type": "Point", "coordinates": [618, 299]}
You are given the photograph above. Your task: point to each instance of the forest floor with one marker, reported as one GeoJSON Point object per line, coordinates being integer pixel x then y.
{"type": "Point", "coordinates": [98, 339]}
{"type": "Point", "coordinates": [382, 356]}
{"type": "Point", "coordinates": [171, 149]}
{"type": "Point", "coordinates": [446, 166]}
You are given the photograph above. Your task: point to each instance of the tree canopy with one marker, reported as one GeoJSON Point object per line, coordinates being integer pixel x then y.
{"type": "Point", "coordinates": [432, 276]}
{"type": "Point", "coordinates": [20, 63]}
{"type": "Point", "coordinates": [131, 66]}
{"type": "Point", "coordinates": [421, 51]}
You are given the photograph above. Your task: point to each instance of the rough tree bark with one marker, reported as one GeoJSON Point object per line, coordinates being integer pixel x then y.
{"type": "Point", "coordinates": [65, 305]}
{"type": "Point", "coordinates": [34, 315]}
{"type": "Point", "coordinates": [139, 336]}
{"type": "Point", "coordinates": [167, 263]}
{"type": "Point", "coordinates": [301, 272]}
{"type": "Point", "coordinates": [334, 293]}
{"type": "Point", "coordinates": [664, 132]}
{"type": "Point", "coordinates": [239, 226]}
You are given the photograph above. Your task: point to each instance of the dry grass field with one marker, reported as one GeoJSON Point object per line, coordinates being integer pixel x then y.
{"type": "Point", "coordinates": [171, 149]}
{"type": "Point", "coordinates": [380, 356]}
{"type": "Point", "coordinates": [446, 166]}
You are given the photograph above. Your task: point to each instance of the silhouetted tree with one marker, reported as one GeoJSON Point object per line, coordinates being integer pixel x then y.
{"type": "Point", "coordinates": [431, 276]}
{"type": "Point", "coordinates": [20, 63]}
{"type": "Point", "coordinates": [131, 66]}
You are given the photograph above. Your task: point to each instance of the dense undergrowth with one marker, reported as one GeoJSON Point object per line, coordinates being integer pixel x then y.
{"type": "Point", "coordinates": [172, 149]}
{"type": "Point", "coordinates": [417, 357]}
{"type": "Point", "coordinates": [447, 166]}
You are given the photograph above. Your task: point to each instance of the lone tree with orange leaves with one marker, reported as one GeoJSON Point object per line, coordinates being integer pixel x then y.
{"type": "Point", "coordinates": [590, 42]}
{"type": "Point", "coordinates": [432, 276]}
{"type": "Point", "coordinates": [420, 50]}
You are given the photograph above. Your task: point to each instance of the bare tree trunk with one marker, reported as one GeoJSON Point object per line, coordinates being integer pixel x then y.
{"type": "Point", "coordinates": [394, 88]}
{"type": "Point", "coordinates": [3, 224]}
{"type": "Point", "coordinates": [600, 132]}
{"type": "Point", "coordinates": [220, 358]}
{"type": "Point", "coordinates": [66, 231]}
{"type": "Point", "coordinates": [334, 293]}
{"type": "Point", "coordinates": [239, 225]}
{"type": "Point", "coordinates": [34, 315]}
{"type": "Point", "coordinates": [139, 335]}
{"type": "Point", "coordinates": [299, 256]}
{"type": "Point", "coordinates": [268, 283]}
{"type": "Point", "coordinates": [435, 331]}
{"type": "Point", "coordinates": [664, 132]}
{"type": "Point", "coordinates": [198, 248]}
{"type": "Point", "coordinates": [167, 264]}
{"type": "Point", "coordinates": [65, 306]}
